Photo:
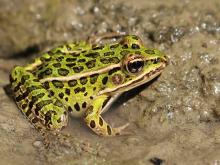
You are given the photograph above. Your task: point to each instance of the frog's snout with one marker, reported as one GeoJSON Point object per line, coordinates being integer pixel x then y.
{"type": "Point", "coordinates": [165, 60]}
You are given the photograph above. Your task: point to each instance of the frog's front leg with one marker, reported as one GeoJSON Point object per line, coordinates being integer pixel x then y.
{"type": "Point", "coordinates": [95, 121]}
{"type": "Point", "coordinates": [44, 111]}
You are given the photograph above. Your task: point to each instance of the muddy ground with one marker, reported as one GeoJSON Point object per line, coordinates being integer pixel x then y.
{"type": "Point", "coordinates": [173, 119]}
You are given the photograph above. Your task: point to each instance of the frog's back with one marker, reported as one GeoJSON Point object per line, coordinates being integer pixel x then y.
{"type": "Point", "coordinates": [67, 63]}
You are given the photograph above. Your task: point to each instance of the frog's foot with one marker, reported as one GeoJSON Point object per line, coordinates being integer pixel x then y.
{"type": "Point", "coordinates": [97, 39]}
{"type": "Point", "coordinates": [95, 121]}
{"type": "Point", "coordinates": [101, 127]}
{"type": "Point", "coordinates": [118, 130]}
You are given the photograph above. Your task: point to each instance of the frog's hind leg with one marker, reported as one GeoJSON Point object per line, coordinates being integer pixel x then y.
{"type": "Point", "coordinates": [43, 110]}
{"type": "Point", "coordinates": [95, 121]}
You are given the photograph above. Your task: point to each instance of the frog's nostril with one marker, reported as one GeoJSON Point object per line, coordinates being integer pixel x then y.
{"type": "Point", "coordinates": [166, 60]}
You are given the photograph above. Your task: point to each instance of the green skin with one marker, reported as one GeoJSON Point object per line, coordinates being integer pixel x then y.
{"type": "Point", "coordinates": [83, 79]}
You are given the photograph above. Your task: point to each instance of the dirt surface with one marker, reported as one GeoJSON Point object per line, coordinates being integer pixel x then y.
{"type": "Point", "coordinates": [173, 119]}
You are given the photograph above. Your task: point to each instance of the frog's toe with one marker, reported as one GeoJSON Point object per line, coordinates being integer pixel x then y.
{"type": "Point", "coordinates": [119, 130]}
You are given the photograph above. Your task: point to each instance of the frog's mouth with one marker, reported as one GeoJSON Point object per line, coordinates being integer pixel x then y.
{"type": "Point", "coordinates": [139, 80]}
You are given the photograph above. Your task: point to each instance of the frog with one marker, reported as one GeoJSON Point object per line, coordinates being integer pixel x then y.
{"type": "Point", "coordinates": [83, 79]}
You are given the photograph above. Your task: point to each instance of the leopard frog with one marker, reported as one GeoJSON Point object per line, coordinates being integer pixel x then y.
{"type": "Point", "coordinates": [83, 79]}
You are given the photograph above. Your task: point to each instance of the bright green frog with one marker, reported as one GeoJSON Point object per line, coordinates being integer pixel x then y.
{"type": "Point", "coordinates": [83, 79]}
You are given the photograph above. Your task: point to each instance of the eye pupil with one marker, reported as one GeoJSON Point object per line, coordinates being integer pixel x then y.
{"type": "Point", "coordinates": [135, 66]}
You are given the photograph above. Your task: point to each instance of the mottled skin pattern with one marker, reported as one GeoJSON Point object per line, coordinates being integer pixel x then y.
{"type": "Point", "coordinates": [81, 78]}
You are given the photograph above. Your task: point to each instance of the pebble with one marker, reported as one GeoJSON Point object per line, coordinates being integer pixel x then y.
{"type": "Point", "coordinates": [38, 144]}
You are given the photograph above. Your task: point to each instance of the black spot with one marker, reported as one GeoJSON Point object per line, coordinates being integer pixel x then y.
{"type": "Point", "coordinates": [72, 83]}
{"type": "Point", "coordinates": [59, 120]}
{"type": "Point", "coordinates": [67, 91]}
{"type": "Point", "coordinates": [60, 58]}
{"type": "Point", "coordinates": [76, 106]}
{"type": "Point", "coordinates": [32, 88]}
{"type": "Point", "coordinates": [22, 96]}
{"type": "Point", "coordinates": [63, 72]}
{"type": "Point", "coordinates": [70, 65]}
{"type": "Point", "coordinates": [57, 65]}
{"type": "Point", "coordinates": [124, 52]}
{"type": "Point", "coordinates": [109, 130]}
{"type": "Point", "coordinates": [100, 121]}
{"type": "Point", "coordinates": [51, 93]}
{"type": "Point", "coordinates": [113, 71]}
{"type": "Point", "coordinates": [94, 88]}
{"type": "Point", "coordinates": [48, 71]}
{"type": "Point", "coordinates": [78, 69]}
{"type": "Point", "coordinates": [24, 78]}
{"type": "Point", "coordinates": [104, 60]}
{"type": "Point", "coordinates": [47, 117]}
{"type": "Point", "coordinates": [75, 54]}
{"type": "Point", "coordinates": [83, 89]}
{"type": "Point", "coordinates": [149, 51]}
{"type": "Point", "coordinates": [61, 95]}
{"type": "Point", "coordinates": [25, 94]}
{"type": "Point", "coordinates": [81, 60]}
{"type": "Point", "coordinates": [84, 105]}
{"type": "Point", "coordinates": [125, 46]}
{"type": "Point", "coordinates": [35, 120]}
{"type": "Point", "coordinates": [70, 109]}
{"type": "Point", "coordinates": [70, 59]}
{"type": "Point", "coordinates": [114, 60]}
{"type": "Point", "coordinates": [114, 46]}
{"type": "Point", "coordinates": [93, 78]}
{"type": "Point", "coordinates": [90, 64]}
{"type": "Point", "coordinates": [109, 53]}
{"type": "Point", "coordinates": [23, 106]}
{"type": "Point", "coordinates": [34, 99]}
{"type": "Point", "coordinates": [135, 37]}
{"type": "Point", "coordinates": [46, 85]}
{"type": "Point", "coordinates": [83, 80]}
{"type": "Point", "coordinates": [28, 112]}
{"type": "Point", "coordinates": [85, 94]}
{"type": "Point", "coordinates": [41, 104]}
{"type": "Point", "coordinates": [77, 90]}
{"type": "Point", "coordinates": [135, 46]}
{"type": "Point", "coordinates": [104, 80]}
{"type": "Point", "coordinates": [92, 124]}
{"type": "Point", "coordinates": [16, 88]}
{"type": "Point", "coordinates": [156, 161]}
{"type": "Point", "coordinates": [41, 75]}
{"type": "Point", "coordinates": [66, 98]}
{"type": "Point", "coordinates": [92, 55]}
{"type": "Point", "coordinates": [137, 52]}
{"type": "Point", "coordinates": [98, 47]}
{"type": "Point", "coordinates": [57, 84]}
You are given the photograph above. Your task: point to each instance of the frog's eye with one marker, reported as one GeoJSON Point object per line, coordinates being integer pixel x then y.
{"type": "Point", "coordinates": [135, 66]}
